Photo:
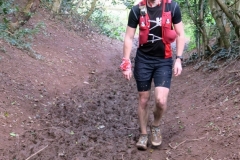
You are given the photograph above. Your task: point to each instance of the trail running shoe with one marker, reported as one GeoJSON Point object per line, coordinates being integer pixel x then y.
{"type": "Point", "coordinates": [142, 142]}
{"type": "Point", "coordinates": [156, 137]}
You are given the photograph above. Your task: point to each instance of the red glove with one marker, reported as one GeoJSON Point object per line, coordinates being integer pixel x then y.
{"type": "Point", "coordinates": [126, 65]}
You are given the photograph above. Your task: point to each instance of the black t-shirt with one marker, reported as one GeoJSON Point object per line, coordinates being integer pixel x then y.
{"type": "Point", "coordinates": [155, 47]}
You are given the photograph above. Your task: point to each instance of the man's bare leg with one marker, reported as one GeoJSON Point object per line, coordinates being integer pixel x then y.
{"type": "Point", "coordinates": [143, 110]}
{"type": "Point", "coordinates": [161, 94]}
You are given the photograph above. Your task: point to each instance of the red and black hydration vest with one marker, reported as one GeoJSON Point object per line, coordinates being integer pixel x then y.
{"type": "Point", "coordinates": [168, 34]}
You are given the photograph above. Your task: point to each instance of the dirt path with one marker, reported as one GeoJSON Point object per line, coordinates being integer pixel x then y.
{"type": "Point", "coordinates": [75, 105]}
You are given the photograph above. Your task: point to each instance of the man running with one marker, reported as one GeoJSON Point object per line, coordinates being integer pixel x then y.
{"type": "Point", "coordinates": [153, 61]}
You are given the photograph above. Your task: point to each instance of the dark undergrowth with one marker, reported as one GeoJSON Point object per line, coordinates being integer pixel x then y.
{"type": "Point", "coordinates": [219, 58]}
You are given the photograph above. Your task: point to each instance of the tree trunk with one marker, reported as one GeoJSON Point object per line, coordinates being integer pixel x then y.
{"type": "Point", "coordinates": [196, 24]}
{"type": "Point", "coordinates": [56, 6]}
{"type": "Point", "coordinates": [24, 15]}
{"type": "Point", "coordinates": [78, 5]}
{"type": "Point", "coordinates": [199, 23]}
{"type": "Point", "coordinates": [236, 8]}
{"type": "Point", "coordinates": [230, 16]}
{"type": "Point", "coordinates": [90, 12]}
{"type": "Point", "coordinates": [217, 14]}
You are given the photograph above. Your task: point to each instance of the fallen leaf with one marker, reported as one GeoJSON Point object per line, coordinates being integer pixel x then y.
{"type": "Point", "coordinates": [6, 114]}
{"type": "Point", "coordinates": [13, 134]}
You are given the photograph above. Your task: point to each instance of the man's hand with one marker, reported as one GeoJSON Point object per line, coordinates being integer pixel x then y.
{"type": "Point", "coordinates": [180, 46]}
{"type": "Point", "coordinates": [127, 74]}
{"type": "Point", "coordinates": [126, 68]}
{"type": "Point", "coordinates": [177, 67]}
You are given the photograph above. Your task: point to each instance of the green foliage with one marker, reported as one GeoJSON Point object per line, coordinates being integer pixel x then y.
{"type": "Point", "coordinates": [128, 3]}
{"type": "Point", "coordinates": [191, 46]}
{"type": "Point", "coordinates": [6, 7]}
{"type": "Point", "coordinates": [67, 5]}
{"type": "Point", "coordinates": [191, 30]}
{"type": "Point", "coordinates": [221, 58]}
{"type": "Point", "coordinates": [46, 3]}
{"type": "Point", "coordinates": [109, 24]}
{"type": "Point", "coordinates": [22, 37]}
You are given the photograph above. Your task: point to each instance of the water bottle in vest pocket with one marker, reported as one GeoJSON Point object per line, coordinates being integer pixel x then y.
{"type": "Point", "coordinates": [168, 34]}
{"type": "Point", "coordinates": [144, 31]}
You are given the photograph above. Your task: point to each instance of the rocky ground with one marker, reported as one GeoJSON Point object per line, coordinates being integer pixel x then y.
{"type": "Point", "coordinates": [75, 105]}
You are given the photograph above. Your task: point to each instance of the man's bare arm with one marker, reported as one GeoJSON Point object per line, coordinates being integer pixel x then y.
{"type": "Point", "coordinates": [180, 41]}
{"type": "Point", "coordinates": [127, 47]}
{"type": "Point", "coordinates": [128, 42]}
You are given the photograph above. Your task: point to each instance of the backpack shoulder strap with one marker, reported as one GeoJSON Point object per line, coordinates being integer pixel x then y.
{"type": "Point", "coordinates": [143, 7]}
{"type": "Point", "coordinates": [169, 6]}
{"type": "Point", "coordinates": [167, 1]}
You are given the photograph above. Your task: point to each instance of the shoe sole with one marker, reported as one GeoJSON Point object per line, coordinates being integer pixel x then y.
{"type": "Point", "coordinates": [142, 147]}
{"type": "Point", "coordinates": [156, 144]}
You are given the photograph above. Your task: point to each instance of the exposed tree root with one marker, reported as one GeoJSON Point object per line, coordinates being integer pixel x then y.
{"type": "Point", "coordinates": [37, 152]}
{"type": "Point", "coordinates": [187, 140]}
{"type": "Point", "coordinates": [34, 54]}
{"type": "Point", "coordinates": [212, 61]}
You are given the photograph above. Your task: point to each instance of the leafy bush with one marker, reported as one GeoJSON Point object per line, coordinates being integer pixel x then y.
{"type": "Point", "coordinates": [128, 3]}
{"type": "Point", "coordinates": [20, 38]}
{"type": "Point", "coordinates": [109, 24]}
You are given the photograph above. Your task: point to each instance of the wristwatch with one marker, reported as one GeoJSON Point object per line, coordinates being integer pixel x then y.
{"type": "Point", "coordinates": [180, 57]}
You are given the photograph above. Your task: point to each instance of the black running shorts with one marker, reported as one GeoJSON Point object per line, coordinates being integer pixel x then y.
{"type": "Point", "coordinates": [148, 68]}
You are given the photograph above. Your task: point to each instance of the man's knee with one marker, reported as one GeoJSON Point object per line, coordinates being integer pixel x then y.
{"type": "Point", "coordinates": [161, 95]}
{"type": "Point", "coordinates": [161, 102]}
{"type": "Point", "coordinates": [143, 99]}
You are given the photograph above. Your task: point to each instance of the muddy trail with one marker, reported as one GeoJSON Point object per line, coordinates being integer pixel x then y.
{"type": "Point", "coordinates": [75, 105]}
